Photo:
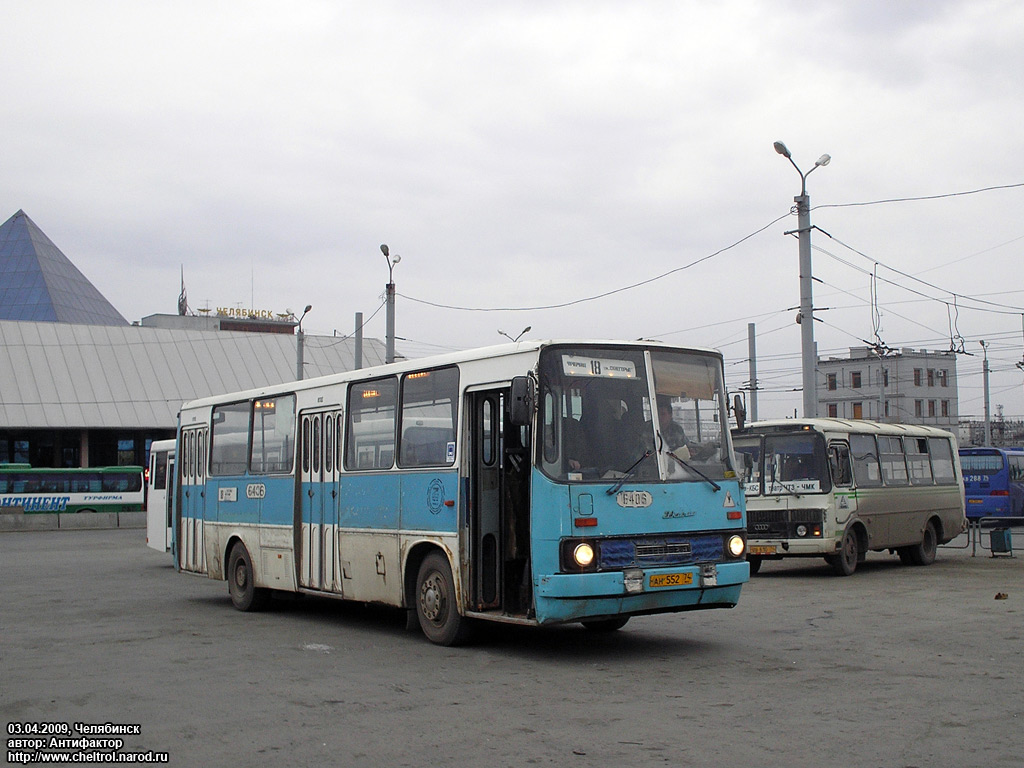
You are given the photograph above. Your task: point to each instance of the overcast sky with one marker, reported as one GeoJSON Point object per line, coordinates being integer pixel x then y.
{"type": "Point", "coordinates": [531, 154]}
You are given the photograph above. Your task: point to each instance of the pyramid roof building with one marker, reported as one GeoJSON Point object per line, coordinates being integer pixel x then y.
{"type": "Point", "coordinates": [38, 283]}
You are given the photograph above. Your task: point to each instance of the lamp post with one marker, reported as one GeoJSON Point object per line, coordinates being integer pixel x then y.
{"type": "Point", "coordinates": [806, 314]}
{"type": "Point", "coordinates": [389, 338]}
{"type": "Point", "coordinates": [300, 342]}
{"type": "Point", "coordinates": [517, 338]}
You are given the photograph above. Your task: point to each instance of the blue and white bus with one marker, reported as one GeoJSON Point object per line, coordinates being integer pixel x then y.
{"type": "Point", "coordinates": [993, 481]}
{"type": "Point", "coordinates": [531, 483]}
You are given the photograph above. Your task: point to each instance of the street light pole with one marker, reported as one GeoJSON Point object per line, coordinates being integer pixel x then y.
{"type": "Point", "coordinates": [517, 338]}
{"type": "Point", "coordinates": [300, 343]}
{"type": "Point", "coordinates": [806, 314]}
{"type": "Point", "coordinates": [389, 337]}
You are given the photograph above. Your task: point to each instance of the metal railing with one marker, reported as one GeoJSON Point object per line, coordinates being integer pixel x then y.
{"type": "Point", "coordinates": [977, 540]}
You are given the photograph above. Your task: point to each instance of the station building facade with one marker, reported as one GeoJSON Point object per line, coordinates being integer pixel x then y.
{"type": "Point", "coordinates": [80, 386]}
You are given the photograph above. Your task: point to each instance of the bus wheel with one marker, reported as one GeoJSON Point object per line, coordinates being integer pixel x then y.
{"type": "Point", "coordinates": [755, 564]}
{"type": "Point", "coordinates": [844, 562]}
{"type": "Point", "coordinates": [605, 625]}
{"type": "Point", "coordinates": [245, 595]}
{"type": "Point", "coordinates": [924, 553]}
{"type": "Point", "coordinates": [435, 602]}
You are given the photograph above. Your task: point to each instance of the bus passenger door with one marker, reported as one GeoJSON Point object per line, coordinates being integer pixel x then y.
{"type": "Point", "coordinates": [485, 500]}
{"type": "Point", "coordinates": [318, 489]}
{"type": "Point", "coordinates": [191, 529]}
{"type": "Point", "coordinates": [172, 483]}
{"type": "Point", "coordinates": [498, 516]}
{"type": "Point", "coordinates": [333, 422]}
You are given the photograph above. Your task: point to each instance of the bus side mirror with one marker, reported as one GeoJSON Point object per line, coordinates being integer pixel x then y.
{"type": "Point", "coordinates": [739, 411]}
{"type": "Point", "coordinates": [522, 397]}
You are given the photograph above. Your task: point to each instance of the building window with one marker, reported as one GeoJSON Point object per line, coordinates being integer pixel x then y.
{"type": "Point", "coordinates": [931, 408]}
{"type": "Point", "coordinates": [833, 410]}
{"type": "Point", "coordinates": [943, 378]}
{"type": "Point", "coordinates": [886, 407]}
{"type": "Point", "coordinates": [945, 407]}
{"type": "Point", "coordinates": [855, 379]}
{"type": "Point", "coordinates": [917, 377]}
{"type": "Point", "coordinates": [830, 382]}
{"type": "Point", "coordinates": [931, 377]}
{"type": "Point", "coordinates": [918, 405]}
{"type": "Point", "coordinates": [858, 410]}
{"type": "Point", "coordinates": [885, 377]}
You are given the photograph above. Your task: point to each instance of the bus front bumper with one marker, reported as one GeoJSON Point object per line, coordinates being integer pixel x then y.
{"type": "Point", "coordinates": [573, 597]}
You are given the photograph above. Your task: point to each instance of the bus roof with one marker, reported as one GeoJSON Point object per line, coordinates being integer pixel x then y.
{"type": "Point", "coordinates": [526, 348]}
{"type": "Point", "coordinates": [856, 426]}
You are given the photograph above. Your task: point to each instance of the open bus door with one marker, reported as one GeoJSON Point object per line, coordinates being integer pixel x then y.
{"type": "Point", "coordinates": [499, 512]}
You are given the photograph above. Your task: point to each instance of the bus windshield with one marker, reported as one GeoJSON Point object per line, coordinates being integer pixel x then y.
{"type": "Point", "coordinates": [599, 422]}
{"type": "Point", "coordinates": [796, 463]}
{"type": "Point", "coordinates": [791, 463]}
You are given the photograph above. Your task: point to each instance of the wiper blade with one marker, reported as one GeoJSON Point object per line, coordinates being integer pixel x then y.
{"type": "Point", "coordinates": [619, 483]}
{"type": "Point", "coordinates": [696, 471]}
{"type": "Point", "coordinates": [780, 484]}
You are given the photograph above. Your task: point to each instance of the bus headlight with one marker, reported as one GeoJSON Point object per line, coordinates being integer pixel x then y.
{"type": "Point", "coordinates": [801, 530]}
{"type": "Point", "coordinates": [583, 554]}
{"type": "Point", "coordinates": [578, 555]}
{"type": "Point", "coordinates": [736, 545]}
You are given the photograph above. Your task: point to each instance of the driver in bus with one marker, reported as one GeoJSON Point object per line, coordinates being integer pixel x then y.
{"type": "Point", "coordinates": [671, 430]}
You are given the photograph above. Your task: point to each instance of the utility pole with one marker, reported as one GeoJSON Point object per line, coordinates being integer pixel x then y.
{"type": "Point", "coordinates": [359, 340]}
{"type": "Point", "coordinates": [805, 316]}
{"type": "Point", "coordinates": [752, 353]}
{"type": "Point", "coordinates": [988, 412]}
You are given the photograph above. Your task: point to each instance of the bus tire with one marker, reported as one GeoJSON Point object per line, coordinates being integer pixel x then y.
{"type": "Point", "coordinates": [436, 608]}
{"type": "Point", "coordinates": [755, 564]}
{"type": "Point", "coordinates": [924, 553]}
{"type": "Point", "coordinates": [844, 562]}
{"type": "Point", "coordinates": [605, 625]}
{"type": "Point", "coordinates": [245, 595]}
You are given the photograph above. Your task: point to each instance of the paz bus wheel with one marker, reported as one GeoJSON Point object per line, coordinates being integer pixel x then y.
{"type": "Point", "coordinates": [435, 602]}
{"type": "Point", "coordinates": [845, 560]}
{"type": "Point", "coordinates": [924, 553]}
{"type": "Point", "coordinates": [245, 595]}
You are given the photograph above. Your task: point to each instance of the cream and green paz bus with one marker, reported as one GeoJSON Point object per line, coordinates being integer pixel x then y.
{"type": "Point", "coordinates": [836, 489]}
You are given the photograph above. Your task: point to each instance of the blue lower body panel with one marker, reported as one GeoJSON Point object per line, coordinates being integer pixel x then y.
{"type": "Point", "coordinates": [573, 597]}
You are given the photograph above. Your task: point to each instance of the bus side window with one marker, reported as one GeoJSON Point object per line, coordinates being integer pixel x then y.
{"type": "Point", "coordinates": [839, 461]}
{"type": "Point", "coordinates": [865, 461]}
{"type": "Point", "coordinates": [371, 424]}
{"type": "Point", "coordinates": [942, 461]}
